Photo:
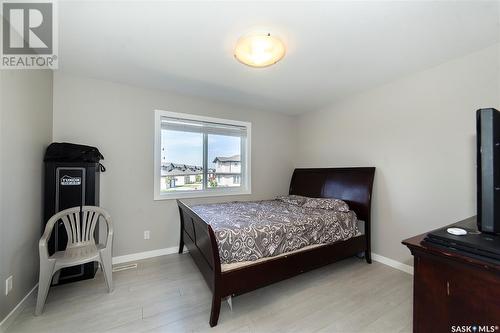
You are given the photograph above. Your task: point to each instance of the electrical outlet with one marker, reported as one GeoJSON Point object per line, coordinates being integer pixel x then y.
{"type": "Point", "coordinates": [8, 285]}
{"type": "Point", "coordinates": [146, 234]}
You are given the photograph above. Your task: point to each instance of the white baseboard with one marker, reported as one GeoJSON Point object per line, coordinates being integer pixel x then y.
{"type": "Point", "coordinates": [11, 317]}
{"type": "Point", "coordinates": [171, 250]}
{"type": "Point", "coordinates": [393, 263]}
{"type": "Point", "coordinates": [145, 255]}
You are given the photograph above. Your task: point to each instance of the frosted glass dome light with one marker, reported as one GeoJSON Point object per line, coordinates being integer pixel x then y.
{"type": "Point", "coordinates": [259, 50]}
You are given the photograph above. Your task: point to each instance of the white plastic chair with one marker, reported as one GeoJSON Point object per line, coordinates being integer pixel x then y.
{"type": "Point", "coordinates": [81, 247]}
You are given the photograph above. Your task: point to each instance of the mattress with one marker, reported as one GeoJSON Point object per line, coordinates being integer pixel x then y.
{"type": "Point", "coordinates": [236, 265]}
{"type": "Point", "coordinates": [254, 230]}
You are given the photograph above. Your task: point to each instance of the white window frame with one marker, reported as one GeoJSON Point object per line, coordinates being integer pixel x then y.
{"type": "Point", "coordinates": [246, 186]}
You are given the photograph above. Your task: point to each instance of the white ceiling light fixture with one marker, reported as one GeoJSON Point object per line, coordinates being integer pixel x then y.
{"type": "Point", "coordinates": [259, 50]}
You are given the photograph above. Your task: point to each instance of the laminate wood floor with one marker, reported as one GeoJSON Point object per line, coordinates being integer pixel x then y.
{"type": "Point", "coordinates": [168, 294]}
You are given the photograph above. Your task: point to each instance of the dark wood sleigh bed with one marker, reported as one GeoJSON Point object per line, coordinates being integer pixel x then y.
{"type": "Point", "coordinates": [353, 185]}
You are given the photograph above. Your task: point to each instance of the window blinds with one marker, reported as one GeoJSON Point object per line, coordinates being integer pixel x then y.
{"type": "Point", "coordinates": [194, 126]}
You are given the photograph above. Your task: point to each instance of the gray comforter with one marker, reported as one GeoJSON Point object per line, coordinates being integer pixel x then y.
{"type": "Point", "coordinates": [248, 231]}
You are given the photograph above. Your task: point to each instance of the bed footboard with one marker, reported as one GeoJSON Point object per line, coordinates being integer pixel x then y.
{"type": "Point", "coordinates": [200, 240]}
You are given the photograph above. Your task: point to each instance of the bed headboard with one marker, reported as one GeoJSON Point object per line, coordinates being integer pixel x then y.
{"type": "Point", "coordinates": [353, 185]}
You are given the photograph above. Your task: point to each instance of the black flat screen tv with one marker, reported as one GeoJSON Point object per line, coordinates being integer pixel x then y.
{"type": "Point", "coordinates": [488, 170]}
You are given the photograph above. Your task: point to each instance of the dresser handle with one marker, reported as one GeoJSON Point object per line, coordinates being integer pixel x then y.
{"type": "Point", "coordinates": [447, 288]}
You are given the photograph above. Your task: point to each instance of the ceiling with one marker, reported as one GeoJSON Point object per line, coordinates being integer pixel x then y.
{"type": "Point", "coordinates": [334, 49]}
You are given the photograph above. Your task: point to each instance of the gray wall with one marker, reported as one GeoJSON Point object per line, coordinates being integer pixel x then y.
{"type": "Point", "coordinates": [119, 119]}
{"type": "Point", "coordinates": [420, 134]}
{"type": "Point", "coordinates": [25, 131]}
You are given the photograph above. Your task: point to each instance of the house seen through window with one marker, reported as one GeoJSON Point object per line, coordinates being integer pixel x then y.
{"type": "Point", "coordinates": [201, 156]}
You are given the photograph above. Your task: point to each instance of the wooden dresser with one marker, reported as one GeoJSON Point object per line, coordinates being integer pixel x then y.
{"type": "Point", "coordinates": [453, 292]}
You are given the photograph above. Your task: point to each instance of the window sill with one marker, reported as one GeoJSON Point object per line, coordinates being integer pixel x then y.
{"type": "Point", "coordinates": [201, 194]}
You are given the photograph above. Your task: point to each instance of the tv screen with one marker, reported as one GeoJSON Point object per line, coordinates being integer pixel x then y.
{"type": "Point", "coordinates": [488, 175]}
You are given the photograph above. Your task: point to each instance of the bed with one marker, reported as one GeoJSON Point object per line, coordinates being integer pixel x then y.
{"type": "Point", "coordinates": [352, 185]}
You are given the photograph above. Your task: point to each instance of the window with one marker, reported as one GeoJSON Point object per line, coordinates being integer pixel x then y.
{"type": "Point", "coordinates": [199, 156]}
